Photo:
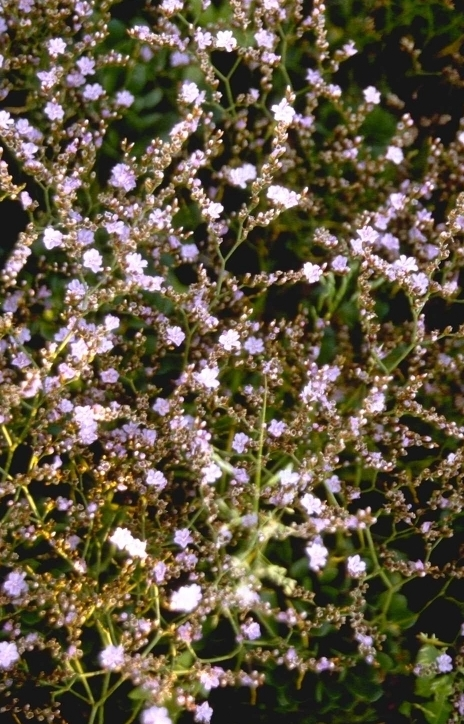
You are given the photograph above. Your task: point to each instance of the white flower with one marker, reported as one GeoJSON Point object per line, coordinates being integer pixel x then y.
{"type": "Point", "coordinates": [283, 112]}
{"type": "Point", "coordinates": [155, 715]}
{"type": "Point", "coordinates": [186, 598]}
{"type": "Point", "coordinates": [282, 196]}
{"type": "Point", "coordinates": [225, 40]}
{"type": "Point", "coordinates": [9, 654]}
{"type": "Point", "coordinates": [371, 95]}
{"type": "Point", "coordinates": [355, 566]}
{"type": "Point", "coordinates": [112, 657]}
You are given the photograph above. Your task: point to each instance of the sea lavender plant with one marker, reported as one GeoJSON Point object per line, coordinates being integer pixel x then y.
{"type": "Point", "coordinates": [203, 484]}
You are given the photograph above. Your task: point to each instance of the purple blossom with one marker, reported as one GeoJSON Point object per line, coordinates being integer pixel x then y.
{"type": "Point", "coordinates": [9, 655]}
{"type": "Point", "coordinates": [122, 177]}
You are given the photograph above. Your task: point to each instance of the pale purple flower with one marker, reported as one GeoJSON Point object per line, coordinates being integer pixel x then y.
{"type": "Point", "coordinates": [240, 442]}
{"type": "Point", "coordinates": [355, 566]}
{"type": "Point", "coordinates": [56, 46]}
{"type": "Point", "coordinates": [203, 39]}
{"type": "Point", "coordinates": [208, 377]}
{"type": "Point", "coordinates": [175, 336]}
{"type": "Point", "coordinates": [276, 428]}
{"type": "Point", "coordinates": [123, 539]}
{"type": "Point", "coordinates": [225, 40]}
{"type": "Point", "coordinates": [155, 715]}
{"type": "Point", "coordinates": [92, 92]}
{"type": "Point", "coordinates": [246, 596]}
{"type": "Point", "coordinates": [182, 537]}
{"type": "Point", "coordinates": [210, 679]}
{"type": "Point", "coordinates": [123, 177]}
{"type": "Point", "coordinates": [313, 77]}
{"type": "Point", "coordinates": [229, 340]}
{"type": "Point", "coordinates": [371, 95]}
{"type": "Point", "coordinates": [349, 49]}
{"type": "Point", "coordinates": [52, 238]}
{"type": "Point", "coordinates": [161, 406]}
{"type": "Point", "coordinates": [124, 99]}
{"type": "Point", "coordinates": [157, 479]}
{"type": "Point", "coordinates": [251, 631]}
{"type": "Point", "coordinates": [171, 6]}
{"type": "Point", "coordinates": [25, 200]}
{"type": "Point", "coordinates": [159, 572]}
{"type": "Point", "coordinates": [9, 655]}
{"type": "Point", "coordinates": [340, 264]}
{"type": "Point", "coordinates": [92, 260]}
{"type": "Point", "coordinates": [419, 283]}
{"type": "Point", "coordinates": [109, 376]}
{"type": "Point", "coordinates": [135, 263]}
{"type": "Point", "coordinates": [15, 584]}
{"type": "Point", "coordinates": [444, 663]}
{"type": "Point", "coordinates": [203, 713]}
{"type": "Point", "coordinates": [324, 664]}
{"type": "Point", "coordinates": [190, 93]}
{"type": "Point", "coordinates": [241, 175]}
{"type": "Point", "coordinates": [112, 657]}
{"type": "Point", "coordinates": [265, 39]}
{"type": "Point", "coordinates": [213, 210]}
{"type": "Point", "coordinates": [188, 252]}
{"type": "Point", "coordinates": [312, 504]}
{"type": "Point", "coordinates": [254, 345]}
{"type": "Point", "coordinates": [282, 196]}
{"type": "Point", "coordinates": [317, 554]}
{"type": "Point", "coordinates": [186, 598]}
{"type": "Point", "coordinates": [86, 65]}
{"type": "Point", "coordinates": [394, 154]}
{"type": "Point", "coordinates": [211, 473]}
{"type": "Point", "coordinates": [312, 272]}
{"type": "Point", "coordinates": [287, 478]}
{"type": "Point", "coordinates": [54, 111]}
{"type": "Point", "coordinates": [283, 112]}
